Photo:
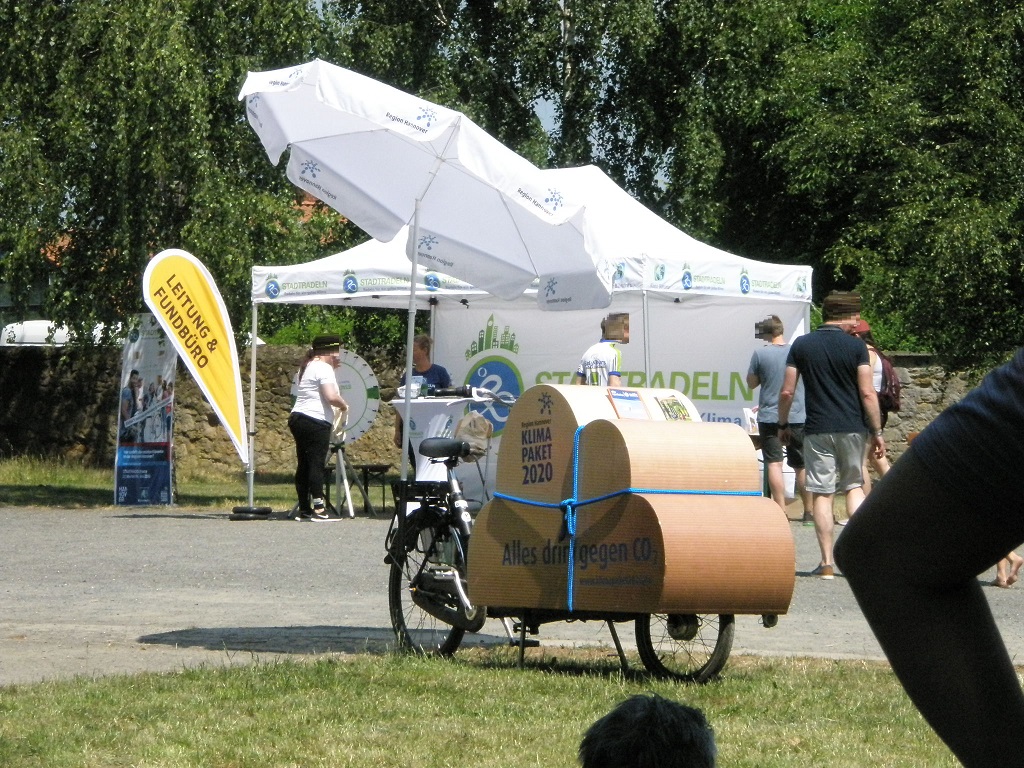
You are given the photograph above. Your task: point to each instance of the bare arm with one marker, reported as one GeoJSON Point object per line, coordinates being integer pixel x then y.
{"type": "Point", "coordinates": [330, 393]}
{"type": "Point", "coordinates": [787, 392]}
{"type": "Point", "coordinates": [869, 401]}
{"type": "Point", "coordinates": [614, 380]}
{"type": "Point", "coordinates": [753, 380]}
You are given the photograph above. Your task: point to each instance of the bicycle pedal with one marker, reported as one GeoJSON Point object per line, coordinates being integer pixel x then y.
{"type": "Point", "coordinates": [518, 628]}
{"type": "Point", "coordinates": [527, 643]}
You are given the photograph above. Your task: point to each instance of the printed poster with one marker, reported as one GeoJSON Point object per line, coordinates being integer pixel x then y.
{"type": "Point", "coordinates": [145, 417]}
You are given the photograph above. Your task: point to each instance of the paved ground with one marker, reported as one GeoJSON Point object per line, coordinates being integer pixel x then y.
{"type": "Point", "coordinates": [96, 592]}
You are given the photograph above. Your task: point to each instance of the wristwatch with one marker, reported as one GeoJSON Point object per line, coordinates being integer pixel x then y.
{"type": "Point", "coordinates": [878, 433]}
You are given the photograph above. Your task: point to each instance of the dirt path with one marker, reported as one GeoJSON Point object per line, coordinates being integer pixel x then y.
{"type": "Point", "coordinates": [96, 592]}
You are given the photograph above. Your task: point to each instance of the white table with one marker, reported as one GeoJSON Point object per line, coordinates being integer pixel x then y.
{"type": "Point", "coordinates": [431, 417]}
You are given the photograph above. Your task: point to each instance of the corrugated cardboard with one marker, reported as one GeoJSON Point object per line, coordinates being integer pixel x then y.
{"type": "Point", "coordinates": [714, 545]}
{"type": "Point", "coordinates": [637, 553]}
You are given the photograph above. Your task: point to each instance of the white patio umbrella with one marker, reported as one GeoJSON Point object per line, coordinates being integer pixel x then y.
{"type": "Point", "coordinates": [385, 159]}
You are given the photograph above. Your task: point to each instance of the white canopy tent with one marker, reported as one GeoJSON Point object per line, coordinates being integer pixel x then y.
{"type": "Point", "coordinates": [693, 307]}
{"type": "Point", "coordinates": [373, 274]}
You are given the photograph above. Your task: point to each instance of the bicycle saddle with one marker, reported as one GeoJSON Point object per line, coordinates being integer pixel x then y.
{"type": "Point", "coordinates": [444, 448]}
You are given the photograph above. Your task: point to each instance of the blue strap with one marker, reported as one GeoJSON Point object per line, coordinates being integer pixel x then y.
{"type": "Point", "coordinates": [570, 505]}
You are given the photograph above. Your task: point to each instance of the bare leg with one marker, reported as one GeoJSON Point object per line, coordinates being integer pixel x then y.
{"type": "Point", "coordinates": [1007, 569]}
{"type": "Point", "coordinates": [777, 484]}
{"type": "Point", "coordinates": [912, 557]}
{"type": "Point", "coordinates": [1013, 563]}
{"type": "Point", "coordinates": [866, 475]}
{"type": "Point", "coordinates": [801, 490]}
{"type": "Point", "coordinates": [854, 498]}
{"type": "Point", "coordinates": [1001, 572]}
{"type": "Point", "coordinates": [880, 465]}
{"type": "Point", "coordinates": [824, 525]}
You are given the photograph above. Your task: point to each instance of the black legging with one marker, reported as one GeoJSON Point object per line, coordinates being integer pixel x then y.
{"type": "Point", "coordinates": [912, 555]}
{"type": "Point", "coordinates": [312, 440]}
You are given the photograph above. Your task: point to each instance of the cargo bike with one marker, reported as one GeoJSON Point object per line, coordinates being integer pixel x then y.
{"type": "Point", "coordinates": [611, 505]}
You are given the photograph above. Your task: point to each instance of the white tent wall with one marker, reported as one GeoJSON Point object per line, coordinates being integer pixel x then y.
{"type": "Point", "coordinates": [700, 346]}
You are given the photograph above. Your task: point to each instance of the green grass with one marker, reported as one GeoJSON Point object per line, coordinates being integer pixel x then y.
{"type": "Point", "coordinates": [36, 482]}
{"type": "Point", "coordinates": [479, 709]}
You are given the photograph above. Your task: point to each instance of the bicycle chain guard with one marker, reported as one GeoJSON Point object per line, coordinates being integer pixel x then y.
{"type": "Point", "coordinates": [436, 589]}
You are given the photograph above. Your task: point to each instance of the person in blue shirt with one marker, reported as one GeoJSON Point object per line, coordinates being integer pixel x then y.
{"type": "Point", "coordinates": [768, 370]}
{"type": "Point", "coordinates": [430, 373]}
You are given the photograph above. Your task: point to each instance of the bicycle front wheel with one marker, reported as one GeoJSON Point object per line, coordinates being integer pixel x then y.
{"type": "Point", "coordinates": [689, 647]}
{"type": "Point", "coordinates": [415, 629]}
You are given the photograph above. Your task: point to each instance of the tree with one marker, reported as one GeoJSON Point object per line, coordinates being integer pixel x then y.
{"type": "Point", "coordinates": [123, 136]}
{"type": "Point", "coordinates": [877, 143]}
{"type": "Point", "coordinates": [905, 137]}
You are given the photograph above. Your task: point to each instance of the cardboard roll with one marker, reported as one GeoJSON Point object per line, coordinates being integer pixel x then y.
{"type": "Point", "coordinates": [637, 553]}
{"type": "Point", "coordinates": [697, 457]}
{"type": "Point", "coordinates": [701, 539]}
{"type": "Point", "coordinates": [536, 457]}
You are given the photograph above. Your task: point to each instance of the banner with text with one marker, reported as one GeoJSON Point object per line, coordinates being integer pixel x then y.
{"type": "Point", "coordinates": [700, 347]}
{"type": "Point", "coordinates": [182, 293]}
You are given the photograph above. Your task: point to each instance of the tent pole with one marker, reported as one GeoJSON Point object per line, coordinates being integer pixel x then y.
{"type": "Point", "coordinates": [647, 340]}
{"type": "Point", "coordinates": [403, 472]}
{"type": "Point", "coordinates": [250, 469]}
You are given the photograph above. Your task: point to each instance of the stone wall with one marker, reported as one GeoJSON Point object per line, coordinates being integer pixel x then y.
{"type": "Point", "coordinates": [927, 389]}
{"type": "Point", "coordinates": [62, 402]}
{"type": "Point", "coordinates": [200, 441]}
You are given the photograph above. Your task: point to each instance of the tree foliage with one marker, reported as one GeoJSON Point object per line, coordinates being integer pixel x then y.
{"type": "Point", "coordinates": [905, 135]}
{"type": "Point", "coordinates": [880, 143]}
{"type": "Point", "coordinates": [122, 136]}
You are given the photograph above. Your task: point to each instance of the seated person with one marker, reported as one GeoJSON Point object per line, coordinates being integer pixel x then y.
{"type": "Point", "coordinates": [433, 375]}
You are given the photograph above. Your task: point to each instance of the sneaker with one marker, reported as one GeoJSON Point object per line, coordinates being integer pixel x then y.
{"type": "Point", "coordinates": [323, 516]}
{"type": "Point", "coordinates": [302, 514]}
{"type": "Point", "coordinates": [824, 572]}
{"type": "Point", "coordinates": [808, 518]}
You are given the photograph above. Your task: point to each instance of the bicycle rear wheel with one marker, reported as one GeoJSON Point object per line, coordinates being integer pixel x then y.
{"type": "Point", "coordinates": [416, 629]}
{"type": "Point", "coordinates": [688, 647]}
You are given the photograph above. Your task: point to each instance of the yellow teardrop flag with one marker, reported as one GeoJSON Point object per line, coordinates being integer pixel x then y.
{"type": "Point", "coordinates": [183, 296]}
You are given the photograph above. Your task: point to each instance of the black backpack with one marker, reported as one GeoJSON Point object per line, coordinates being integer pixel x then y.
{"type": "Point", "coordinates": [889, 394]}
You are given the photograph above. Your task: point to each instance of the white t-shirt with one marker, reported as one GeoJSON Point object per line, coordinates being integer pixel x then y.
{"type": "Point", "coordinates": [876, 370]}
{"type": "Point", "coordinates": [599, 362]}
{"type": "Point", "coordinates": [308, 400]}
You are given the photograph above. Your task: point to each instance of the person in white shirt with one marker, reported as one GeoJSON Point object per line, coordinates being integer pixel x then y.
{"type": "Point", "coordinates": [310, 423]}
{"type": "Point", "coordinates": [601, 365]}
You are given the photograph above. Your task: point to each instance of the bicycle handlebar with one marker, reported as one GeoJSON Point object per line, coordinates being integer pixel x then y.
{"type": "Point", "coordinates": [476, 393]}
{"type": "Point", "coordinates": [466, 391]}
